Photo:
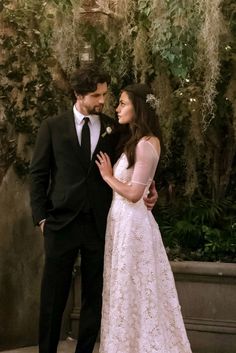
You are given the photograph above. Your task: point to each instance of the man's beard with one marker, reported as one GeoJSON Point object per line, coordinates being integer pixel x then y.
{"type": "Point", "coordinates": [96, 110]}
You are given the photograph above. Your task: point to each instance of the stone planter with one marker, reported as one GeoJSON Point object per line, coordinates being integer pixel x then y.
{"type": "Point", "coordinates": [207, 294]}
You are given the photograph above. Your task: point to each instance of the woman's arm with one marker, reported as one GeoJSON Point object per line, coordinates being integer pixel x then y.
{"type": "Point", "coordinates": [144, 168]}
{"type": "Point", "coordinates": [132, 192]}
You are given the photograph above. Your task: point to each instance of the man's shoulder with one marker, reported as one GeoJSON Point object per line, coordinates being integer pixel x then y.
{"type": "Point", "coordinates": [109, 121]}
{"type": "Point", "coordinates": [58, 118]}
{"type": "Point", "coordinates": [107, 118]}
{"type": "Point", "coordinates": [61, 116]}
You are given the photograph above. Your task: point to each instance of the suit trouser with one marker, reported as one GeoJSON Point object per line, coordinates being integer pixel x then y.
{"type": "Point", "coordinates": [61, 251]}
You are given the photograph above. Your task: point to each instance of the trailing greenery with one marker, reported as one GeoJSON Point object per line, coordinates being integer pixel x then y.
{"type": "Point", "coordinates": [175, 46]}
{"type": "Point", "coordinates": [27, 91]}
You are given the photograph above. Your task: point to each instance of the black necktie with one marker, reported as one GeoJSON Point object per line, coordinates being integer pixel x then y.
{"type": "Point", "coordinates": [85, 142]}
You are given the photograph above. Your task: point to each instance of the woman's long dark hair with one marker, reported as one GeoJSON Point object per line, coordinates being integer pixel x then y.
{"type": "Point", "coordinates": [145, 121]}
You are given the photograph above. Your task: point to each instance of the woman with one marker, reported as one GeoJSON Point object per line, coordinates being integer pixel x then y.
{"type": "Point", "coordinates": [141, 312]}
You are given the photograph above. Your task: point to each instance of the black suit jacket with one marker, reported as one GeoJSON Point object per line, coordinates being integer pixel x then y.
{"type": "Point", "coordinates": [59, 184]}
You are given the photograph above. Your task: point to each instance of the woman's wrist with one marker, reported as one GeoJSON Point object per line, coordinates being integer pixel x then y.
{"type": "Point", "coordinates": [107, 178]}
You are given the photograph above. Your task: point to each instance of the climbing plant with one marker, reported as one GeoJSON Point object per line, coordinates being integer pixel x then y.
{"type": "Point", "coordinates": [185, 49]}
{"type": "Point", "coordinates": [28, 91]}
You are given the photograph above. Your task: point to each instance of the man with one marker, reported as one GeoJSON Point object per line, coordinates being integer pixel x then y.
{"type": "Point", "coordinates": [70, 202]}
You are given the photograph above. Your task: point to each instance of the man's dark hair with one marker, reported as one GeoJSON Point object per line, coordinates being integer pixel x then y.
{"type": "Point", "coordinates": [85, 79]}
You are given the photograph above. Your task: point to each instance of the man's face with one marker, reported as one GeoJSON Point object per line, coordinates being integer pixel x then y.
{"type": "Point", "coordinates": [93, 102]}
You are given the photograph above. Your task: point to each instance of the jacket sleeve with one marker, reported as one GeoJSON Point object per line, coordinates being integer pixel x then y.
{"type": "Point", "coordinates": [40, 168]}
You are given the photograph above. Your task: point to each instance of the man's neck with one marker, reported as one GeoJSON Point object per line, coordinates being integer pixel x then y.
{"type": "Point", "coordinates": [81, 110]}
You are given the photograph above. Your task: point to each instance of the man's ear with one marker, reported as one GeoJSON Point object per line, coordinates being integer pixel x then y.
{"type": "Point", "coordinates": [78, 96]}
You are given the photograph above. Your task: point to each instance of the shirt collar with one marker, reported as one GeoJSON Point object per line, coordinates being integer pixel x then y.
{"type": "Point", "coordinates": [79, 117]}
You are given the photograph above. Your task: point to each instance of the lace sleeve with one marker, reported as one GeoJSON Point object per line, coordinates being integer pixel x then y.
{"type": "Point", "coordinates": [146, 159]}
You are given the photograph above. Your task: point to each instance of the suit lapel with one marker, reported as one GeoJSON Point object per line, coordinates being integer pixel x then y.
{"type": "Point", "coordinates": [101, 141]}
{"type": "Point", "coordinates": [74, 139]}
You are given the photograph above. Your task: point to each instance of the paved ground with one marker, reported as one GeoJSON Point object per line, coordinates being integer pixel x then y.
{"type": "Point", "coordinates": [67, 346]}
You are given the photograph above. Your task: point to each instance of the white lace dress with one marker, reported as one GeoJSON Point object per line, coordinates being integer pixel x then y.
{"type": "Point", "coordinates": [141, 312]}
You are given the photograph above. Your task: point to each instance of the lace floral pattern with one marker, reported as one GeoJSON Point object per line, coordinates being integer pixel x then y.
{"type": "Point", "coordinates": [141, 312]}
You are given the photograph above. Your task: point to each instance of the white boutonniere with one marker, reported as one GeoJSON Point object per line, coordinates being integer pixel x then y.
{"type": "Point", "coordinates": [108, 131]}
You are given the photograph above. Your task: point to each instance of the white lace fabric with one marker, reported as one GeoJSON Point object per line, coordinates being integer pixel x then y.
{"type": "Point", "coordinates": [141, 312]}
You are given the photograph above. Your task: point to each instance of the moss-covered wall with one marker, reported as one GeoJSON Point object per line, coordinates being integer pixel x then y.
{"type": "Point", "coordinates": [21, 257]}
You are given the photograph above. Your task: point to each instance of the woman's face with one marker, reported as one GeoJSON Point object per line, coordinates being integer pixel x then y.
{"type": "Point", "coordinates": [125, 109]}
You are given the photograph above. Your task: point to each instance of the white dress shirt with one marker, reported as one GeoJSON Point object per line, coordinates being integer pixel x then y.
{"type": "Point", "coordinates": [94, 126]}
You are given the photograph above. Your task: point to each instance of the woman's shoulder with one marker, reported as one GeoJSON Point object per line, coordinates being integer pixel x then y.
{"type": "Point", "coordinates": [151, 142]}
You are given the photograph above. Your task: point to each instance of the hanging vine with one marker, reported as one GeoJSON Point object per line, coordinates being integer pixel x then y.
{"type": "Point", "coordinates": [209, 39]}
{"type": "Point", "coordinates": [171, 44]}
